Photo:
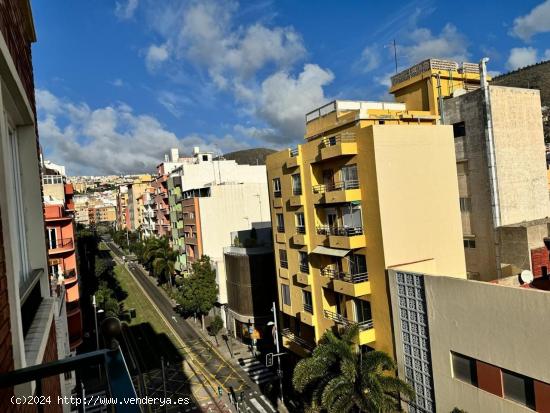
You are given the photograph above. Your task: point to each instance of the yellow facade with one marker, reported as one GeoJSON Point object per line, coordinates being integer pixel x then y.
{"type": "Point", "coordinates": [375, 182]}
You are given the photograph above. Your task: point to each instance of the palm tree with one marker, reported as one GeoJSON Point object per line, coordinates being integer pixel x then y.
{"type": "Point", "coordinates": [339, 378]}
{"type": "Point", "coordinates": [160, 258]}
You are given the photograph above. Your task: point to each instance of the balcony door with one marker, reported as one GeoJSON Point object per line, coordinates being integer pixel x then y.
{"type": "Point", "coordinates": [328, 179]}
{"type": "Point", "coordinates": [362, 310]}
{"type": "Point", "coordinates": [332, 217]}
{"type": "Point", "coordinates": [52, 238]}
{"type": "Point", "coordinates": [358, 264]}
{"type": "Point", "coordinates": [349, 176]}
{"type": "Point", "coordinates": [351, 216]}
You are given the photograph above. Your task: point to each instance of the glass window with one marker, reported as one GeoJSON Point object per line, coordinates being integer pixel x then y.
{"type": "Point", "coordinates": [469, 243]}
{"type": "Point", "coordinates": [362, 310]}
{"type": "Point", "coordinates": [285, 293]}
{"type": "Point", "coordinates": [358, 264]}
{"type": "Point", "coordinates": [308, 302]}
{"type": "Point", "coordinates": [464, 368]}
{"type": "Point", "coordinates": [277, 186]}
{"type": "Point", "coordinates": [296, 184]}
{"type": "Point", "coordinates": [300, 223]}
{"type": "Point", "coordinates": [283, 258]}
{"type": "Point", "coordinates": [459, 129]}
{"type": "Point", "coordinates": [280, 223]}
{"type": "Point", "coordinates": [464, 204]}
{"type": "Point", "coordinates": [304, 266]}
{"type": "Point", "coordinates": [349, 177]}
{"type": "Point", "coordinates": [518, 388]}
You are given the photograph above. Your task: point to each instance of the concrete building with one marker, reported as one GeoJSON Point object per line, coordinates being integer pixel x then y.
{"type": "Point", "coordinates": [149, 221]}
{"type": "Point", "coordinates": [29, 312]}
{"type": "Point", "coordinates": [500, 160]}
{"type": "Point", "coordinates": [135, 191]}
{"type": "Point", "coordinates": [339, 221]}
{"type": "Point", "coordinates": [477, 346]}
{"type": "Point", "coordinates": [251, 286]}
{"type": "Point", "coordinates": [122, 207]}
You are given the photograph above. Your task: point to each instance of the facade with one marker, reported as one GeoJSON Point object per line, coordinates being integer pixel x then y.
{"type": "Point", "coordinates": [251, 285]}
{"type": "Point", "coordinates": [469, 344]}
{"type": "Point", "coordinates": [28, 313]}
{"type": "Point", "coordinates": [149, 221]}
{"type": "Point", "coordinates": [121, 207]}
{"type": "Point", "coordinates": [501, 167]}
{"type": "Point", "coordinates": [339, 221]}
{"type": "Point", "coordinates": [135, 191]}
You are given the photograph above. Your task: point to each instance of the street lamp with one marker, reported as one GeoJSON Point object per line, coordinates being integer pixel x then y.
{"type": "Point", "coordinates": [96, 311]}
{"type": "Point", "coordinates": [279, 370]}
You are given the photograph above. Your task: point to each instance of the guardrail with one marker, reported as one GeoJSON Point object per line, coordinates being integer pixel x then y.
{"type": "Point", "coordinates": [344, 276]}
{"type": "Point", "coordinates": [339, 231]}
{"type": "Point", "coordinates": [335, 140]}
{"type": "Point", "coordinates": [336, 186]}
{"type": "Point", "coordinates": [340, 319]}
{"type": "Point", "coordinates": [285, 332]}
{"type": "Point", "coordinates": [308, 308]}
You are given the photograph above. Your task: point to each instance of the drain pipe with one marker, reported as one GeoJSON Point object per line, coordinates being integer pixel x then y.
{"type": "Point", "coordinates": [491, 160]}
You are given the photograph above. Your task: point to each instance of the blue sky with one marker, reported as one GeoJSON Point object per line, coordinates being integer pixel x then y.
{"type": "Point", "coordinates": [120, 82]}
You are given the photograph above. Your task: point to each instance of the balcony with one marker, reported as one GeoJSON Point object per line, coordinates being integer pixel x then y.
{"type": "Point", "coordinates": [353, 285]}
{"type": "Point", "coordinates": [342, 237]}
{"type": "Point", "coordinates": [118, 382]}
{"type": "Point", "coordinates": [366, 328]}
{"type": "Point", "coordinates": [283, 272]}
{"type": "Point", "coordinates": [299, 238]}
{"type": "Point", "coordinates": [189, 221]}
{"type": "Point", "coordinates": [337, 146]}
{"type": "Point", "coordinates": [297, 198]}
{"type": "Point", "coordinates": [191, 240]}
{"type": "Point", "coordinates": [277, 201]}
{"type": "Point", "coordinates": [338, 192]}
{"type": "Point", "coordinates": [306, 315]}
{"type": "Point", "coordinates": [60, 246]}
{"type": "Point", "coordinates": [295, 343]}
{"type": "Point", "coordinates": [295, 158]}
{"type": "Point", "coordinates": [303, 278]}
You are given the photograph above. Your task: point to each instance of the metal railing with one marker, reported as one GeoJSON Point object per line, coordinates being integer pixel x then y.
{"type": "Point", "coordinates": [294, 152]}
{"type": "Point", "coordinates": [308, 308]}
{"type": "Point", "coordinates": [284, 264]}
{"type": "Point", "coordinates": [336, 186]}
{"type": "Point", "coordinates": [300, 229]}
{"type": "Point", "coordinates": [285, 332]}
{"type": "Point", "coordinates": [280, 228]}
{"type": "Point", "coordinates": [277, 194]}
{"type": "Point", "coordinates": [339, 231]}
{"type": "Point", "coordinates": [340, 319]}
{"type": "Point", "coordinates": [344, 276]}
{"type": "Point", "coordinates": [335, 140]}
{"type": "Point", "coordinates": [304, 268]}
{"type": "Point", "coordinates": [61, 243]}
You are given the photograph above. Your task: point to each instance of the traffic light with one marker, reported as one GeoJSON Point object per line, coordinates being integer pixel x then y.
{"type": "Point", "coordinates": [269, 359]}
{"type": "Point", "coordinates": [220, 391]}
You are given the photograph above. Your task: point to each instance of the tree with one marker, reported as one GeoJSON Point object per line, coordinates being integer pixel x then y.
{"type": "Point", "coordinates": [199, 290]}
{"type": "Point", "coordinates": [337, 377]}
{"type": "Point", "coordinates": [160, 259]}
{"type": "Point", "coordinates": [216, 326]}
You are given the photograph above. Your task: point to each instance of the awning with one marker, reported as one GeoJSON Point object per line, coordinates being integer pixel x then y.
{"type": "Point", "coordinates": [330, 251]}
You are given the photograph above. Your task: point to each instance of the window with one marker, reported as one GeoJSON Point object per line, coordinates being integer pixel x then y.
{"type": "Point", "coordinates": [277, 187]}
{"type": "Point", "coordinates": [518, 388]}
{"type": "Point", "coordinates": [280, 223]}
{"type": "Point", "coordinates": [362, 311]}
{"type": "Point", "coordinates": [464, 368]}
{"type": "Point", "coordinates": [296, 184]}
{"type": "Point", "coordinates": [304, 266]}
{"type": "Point", "coordinates": [462, 168]}
{"type": "Point", "coordinates": [204, 157]}
{"type": "Point", "coordinates": [459, 129]}
{"type": "Point", "coordinates": [300, 223]}
{"type": "Point", "coordinates": [349, 177]}
{"type": "Point", "coordinates": [308, 302]}
{"type": "Point", "coordinates": [358, 264]}
{"type": "Point", "coordinates": [285, 293]}
{"type": "Point", "coordinates": [469, 243]}
{"type": "Point", "coordinates": [464, 204]}
{"type": "Point", "coordinates": [283, 258]}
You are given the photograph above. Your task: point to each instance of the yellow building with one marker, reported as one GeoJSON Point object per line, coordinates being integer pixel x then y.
{"type": "Point", "coordinates": [373, 187]}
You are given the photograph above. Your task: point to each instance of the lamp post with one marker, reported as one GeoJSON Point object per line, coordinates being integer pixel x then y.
{"type": "Point", "coordinates": [94, 303]}
{"type": "Point", "coordinates": [279, 370]}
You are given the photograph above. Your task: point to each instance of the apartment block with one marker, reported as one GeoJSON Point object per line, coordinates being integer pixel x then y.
{"type": "Point", "coordinates": [135, 191]}
{"type": "Point", "coordinates": [122, 214]}
{"type": "Point", "coordinates": [29, 311]}
{"type": "Point", "coordinates": [500, 161]}
{"type": "Point", "coordinates": [476, 346]}
{"type": "Point", "coordinates": [148, 223]}
{"type": "Point", "coordinates": [373, 186]}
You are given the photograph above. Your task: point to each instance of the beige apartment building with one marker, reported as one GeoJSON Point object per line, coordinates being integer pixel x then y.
{"type": "Point", "coordinates": [135, 191]}
{"type": "Point", "coordinates": [373, 186]}
{"type": "Point", "coordinates": [500, 161]}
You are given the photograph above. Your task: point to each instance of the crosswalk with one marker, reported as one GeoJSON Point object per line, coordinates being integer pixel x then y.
{"type": "Point", "coordinates": [258, 403]}
{"type": "Point", "coordinates": [257, 371]}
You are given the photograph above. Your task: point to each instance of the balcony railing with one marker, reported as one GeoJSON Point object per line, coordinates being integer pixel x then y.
{"type": "Point", "coordinates": [277, 194]}
{"type": "Point", "coordinates": [294, 152]}
{"type": "Point", "coordinates": [336, 186]}
{"type": "Point", "coordinates": [304, 268]}
{"type": "Point", "coordinates": [297, 191]}
{"type": "Point", "coordinates": [62, 243]}
{"type": "Point", "coordinates": [308, 308]}
{"type": "Point", "coordinates": [284, 264]}
{"type": "Point", "coordinates": [340, 319]}
{"type": "Point", "coordinates": [117, 385]}
{"type": "Point", "coordinates": [285, 332]}
{"type": "Point", "coordinates": [335, 140]}
{"type": "Point", "coordinates": [280, 228]}
{"type": "Point", "coordinates": [339, 231]}
{"type": "Point", "coordinates": [344, 276]}
{"type": "Point", "coordinates": [300, 229]}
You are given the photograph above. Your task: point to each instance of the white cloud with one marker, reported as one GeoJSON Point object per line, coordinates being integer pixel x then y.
{"type": "Point", "coordinates": [284, 100]}
{"type": "Point", "coordinates": [126, 9]}
{"type": "Point", "coordinates": [173, 102]}
{"type": "Point", "coordinates": [369, 60]}
{"type": "Point", "coordinates": [155, 55]}
{"type": "Point", "coordinates": [449, 44]}
{"type": "Point", "coordinates": [546, 55]}
{"type": "Point", "coordinates": [117, 82]}
{"type": "Point", "coordinates": [536, 21]}
{"type": "Point", "coordinates": [111, 139]}
{"type": "Point", "coordinates": [521, 57]}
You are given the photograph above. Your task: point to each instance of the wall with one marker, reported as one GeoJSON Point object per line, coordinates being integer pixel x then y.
{"type": "Point", "coordinates": [202, 174]}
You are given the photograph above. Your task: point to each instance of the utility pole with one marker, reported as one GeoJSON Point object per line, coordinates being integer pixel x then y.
{"type": "Point", "coordinates": [94, 304]}
{"type": "Point", "coordinates": [163, 381]}
{"type": "Point", "coordinates": [395, 54]}
{"type": "Point", "coordinates": [279, 370]}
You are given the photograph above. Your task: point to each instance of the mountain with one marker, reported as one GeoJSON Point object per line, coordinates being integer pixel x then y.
{"type": "Point", "coordinates": [254, 156]}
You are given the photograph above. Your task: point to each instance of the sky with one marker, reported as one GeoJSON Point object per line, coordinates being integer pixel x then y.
{"type": "Point", "coordinates": [118, 83]}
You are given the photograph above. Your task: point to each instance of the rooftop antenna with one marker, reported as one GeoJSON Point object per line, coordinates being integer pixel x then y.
{"type": "Point", "coordinates": [394, 45]}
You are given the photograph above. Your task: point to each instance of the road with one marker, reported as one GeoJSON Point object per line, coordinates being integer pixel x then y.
{"type": "Point", "coordinates": [213, 369]}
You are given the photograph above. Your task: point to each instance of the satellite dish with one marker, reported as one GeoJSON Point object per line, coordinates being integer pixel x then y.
{"type": "Point", "coordinates": [526, 277]}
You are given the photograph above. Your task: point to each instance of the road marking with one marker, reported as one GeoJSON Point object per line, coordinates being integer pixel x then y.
{"type": "Point", "coordinates": [258, 406]}
{"type": "Point", "coordinates": [268, 403]}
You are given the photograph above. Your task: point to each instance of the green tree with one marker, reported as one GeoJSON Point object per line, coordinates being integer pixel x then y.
{"type": "Point", "coordinates": [339, 378]}
{"type": "Point", "coordinates": [216, 326]}
{"type": "Point", "coordinates": [199, 290]}
{"type": "Point", "coordinates": [160, 259]}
